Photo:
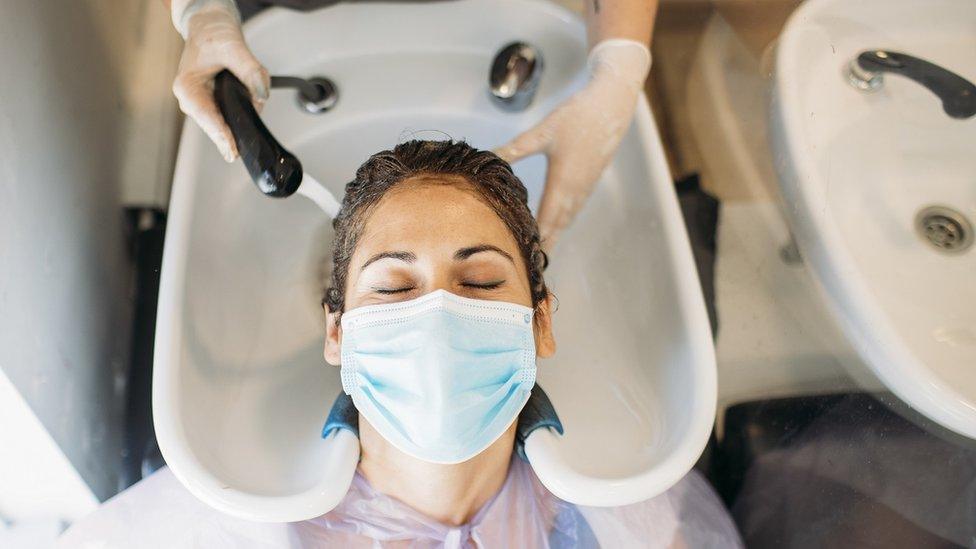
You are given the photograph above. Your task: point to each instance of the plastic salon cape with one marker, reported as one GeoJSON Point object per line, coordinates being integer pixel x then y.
{"type": "Point", "coordinates": [160, 512]}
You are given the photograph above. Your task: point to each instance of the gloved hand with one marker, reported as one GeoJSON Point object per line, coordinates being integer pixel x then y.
{"type": "Point", "coordinates": [581, 135]}
{"type": "Point", "coordinates": [212, 30]}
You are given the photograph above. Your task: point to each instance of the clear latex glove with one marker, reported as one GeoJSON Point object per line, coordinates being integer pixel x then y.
{"type": "Point", "coordinates": [580, 136]}
{"type": "Point", "coordinates": [212, 30]}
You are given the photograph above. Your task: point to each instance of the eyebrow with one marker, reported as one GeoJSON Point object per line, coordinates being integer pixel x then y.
{"type": "Point", "coordinates": [460, 255]}
{"type": "Point", "coordinates": [409, 257]}
{"type": "Point", "coordinates": [465, 253]}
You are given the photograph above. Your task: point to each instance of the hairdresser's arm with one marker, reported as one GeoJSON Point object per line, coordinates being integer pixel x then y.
{"type": "Point", "coordinates": [214, 41]}
{"type": "Point", "coordinates": [630, 19]}
{"type": "Point", "coordinates": [580, 137]}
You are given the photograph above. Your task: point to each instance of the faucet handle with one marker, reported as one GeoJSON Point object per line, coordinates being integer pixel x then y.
{"type": "Point", "coordinates": [957, 94]}
{"type": "Point", "coordinates": [275, 171]}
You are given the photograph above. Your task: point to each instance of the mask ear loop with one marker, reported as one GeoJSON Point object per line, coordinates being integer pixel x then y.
{"type": "Point", "coordinates": [555, 307]}
{"type": "Point", "coordinates": [552, 311]}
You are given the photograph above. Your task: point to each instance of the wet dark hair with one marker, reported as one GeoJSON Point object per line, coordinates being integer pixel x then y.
{"type": "Point", "coordinates": [491, 177]}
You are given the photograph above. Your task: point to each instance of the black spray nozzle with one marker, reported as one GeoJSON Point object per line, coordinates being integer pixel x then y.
{"type": "Point", "coordinates": [275, 171]}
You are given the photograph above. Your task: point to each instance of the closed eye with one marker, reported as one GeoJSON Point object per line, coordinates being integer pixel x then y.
{"type": "Point", "coordinates": [483, 285]}
{"type": "Point", "coordinates": [389, 291]}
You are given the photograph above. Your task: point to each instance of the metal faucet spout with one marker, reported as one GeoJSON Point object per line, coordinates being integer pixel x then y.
{"type": "Point", "coordinates": [514, 76]}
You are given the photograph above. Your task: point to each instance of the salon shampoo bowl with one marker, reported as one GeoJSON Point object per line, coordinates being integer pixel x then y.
{"type": "Point", "coordinates": [240, 388]}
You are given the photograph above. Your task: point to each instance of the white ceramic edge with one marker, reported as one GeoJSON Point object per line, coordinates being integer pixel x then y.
{"type": "Point", "coordinates": [542, 446]}
{"type": "Point", "coordinates": [552, 470]}
{"type": "Point", "coordinates": [268, 15]}
{"type": "Point", "coordinates": [343, 448]}
{"type": "Point", "coordinates": [835, 271]}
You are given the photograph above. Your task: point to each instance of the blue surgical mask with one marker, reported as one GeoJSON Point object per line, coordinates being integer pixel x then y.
{"type": "Point", "coordinates": [440, 377]}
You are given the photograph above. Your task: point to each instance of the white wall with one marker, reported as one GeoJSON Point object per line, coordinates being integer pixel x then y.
{"type": "Point", "coordinates": [37, 482]}
{"type": "Point", "coordinates": [65, 283]}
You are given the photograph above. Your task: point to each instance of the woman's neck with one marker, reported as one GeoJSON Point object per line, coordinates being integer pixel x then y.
{"type": "Point", "coordinates": [451, 494]}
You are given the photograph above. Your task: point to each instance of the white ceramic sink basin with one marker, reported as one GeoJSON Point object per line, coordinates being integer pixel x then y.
{"type": "Point", "coordinates": [241, 390]}
{"type": "Point", "coordinates": [856, 169]}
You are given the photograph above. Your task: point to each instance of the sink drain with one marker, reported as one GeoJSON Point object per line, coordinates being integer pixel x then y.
{"type": "Point", "coordinates": [944, 228]}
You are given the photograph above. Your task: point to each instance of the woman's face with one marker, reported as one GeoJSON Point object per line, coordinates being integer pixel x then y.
{"type": "Point", "coordinates": [435, 233]}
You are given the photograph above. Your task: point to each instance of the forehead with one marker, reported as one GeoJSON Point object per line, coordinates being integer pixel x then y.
{"type": "Point", "coordinates": [433, 212]}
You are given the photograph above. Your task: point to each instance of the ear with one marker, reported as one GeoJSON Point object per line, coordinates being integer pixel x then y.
{"type": "Point", "coordinates": [545, 343]}
{"type": "Point", "coordinates": [333, 338]}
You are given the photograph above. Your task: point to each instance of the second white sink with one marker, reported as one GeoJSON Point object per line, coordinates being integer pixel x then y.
{"type": "Point", "coordinates": [858, 170]}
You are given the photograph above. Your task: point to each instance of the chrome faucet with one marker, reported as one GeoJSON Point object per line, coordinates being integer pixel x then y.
{"type": "Point", "coordinates": [515, 75]}
{"type": "Point", "coordinates": [315, 95]}
{"type": "Point", "coordinates": [958, 95]}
